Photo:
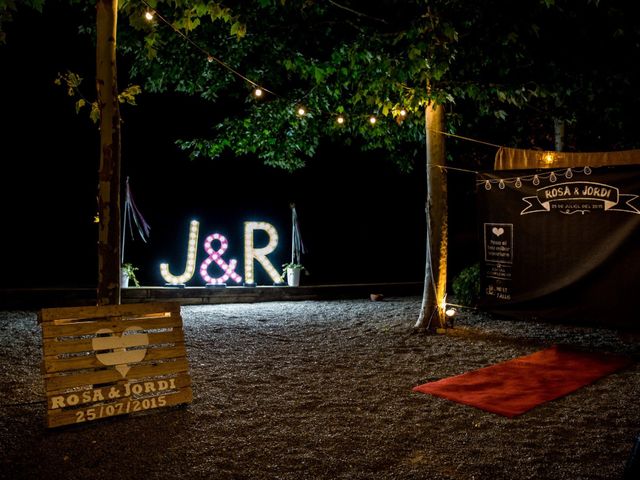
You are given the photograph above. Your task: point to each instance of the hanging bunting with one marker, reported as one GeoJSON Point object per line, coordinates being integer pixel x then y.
{"type": "Point", "coordinates": [132, 216]}
{"type": "Point", "coordinates": [297, 247]}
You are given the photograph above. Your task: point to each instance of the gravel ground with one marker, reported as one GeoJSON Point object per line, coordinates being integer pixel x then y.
{"type": "Point", "coordinates": [322, 390]}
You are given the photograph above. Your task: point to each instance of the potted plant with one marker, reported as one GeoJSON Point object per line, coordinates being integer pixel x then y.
{"type": "Point", "coordinates": [292, 272]}
{"type": "Point", "coordinates": [292, 269]}
{"type": "Point", "coordinates": [128, 272]}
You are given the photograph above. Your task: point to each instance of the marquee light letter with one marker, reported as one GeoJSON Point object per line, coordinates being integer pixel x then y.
{"type": "Point", "coordinates": [216, 256]}
{"type": "Point", "coordinates": [191, 259]}
{"type": "Point", "coordinates": [259, 254]}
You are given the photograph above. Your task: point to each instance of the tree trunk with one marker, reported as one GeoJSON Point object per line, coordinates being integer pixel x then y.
{"type": "Point", "coordinates": [432, 314]}
{"type": "Point", "coordinates": [108, 292]}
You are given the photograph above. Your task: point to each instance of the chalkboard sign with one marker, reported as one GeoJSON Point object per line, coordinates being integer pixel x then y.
{"type": "Point", "coordinates": [561, 244]}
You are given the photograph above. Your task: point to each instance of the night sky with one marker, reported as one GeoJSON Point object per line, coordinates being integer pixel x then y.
{"type": "Point", "coordinates": [361, 219]}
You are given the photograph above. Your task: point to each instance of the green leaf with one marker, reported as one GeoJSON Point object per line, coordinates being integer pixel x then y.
{"type": "Point", "coordinates": [129, 94]}
{"type": "Point", "coordinates": [95, 112]}
{"type": "Point", "coordinates": [79, 104]}
{"type": "Point", "coordinates": [238, 29]}
{"type": "Point", "coordinates": [318, 74]}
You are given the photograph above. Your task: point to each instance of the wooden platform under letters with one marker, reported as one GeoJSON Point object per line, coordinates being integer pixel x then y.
{"type": "Point", "coordinates": [112, 360]}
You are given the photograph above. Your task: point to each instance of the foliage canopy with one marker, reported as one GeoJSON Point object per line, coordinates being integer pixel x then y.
{"type": "Point", "coordinates": [503, 70]}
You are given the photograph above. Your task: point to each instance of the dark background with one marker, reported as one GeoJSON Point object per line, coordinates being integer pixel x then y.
{"type": "Point", "coordinates": [361, 219]}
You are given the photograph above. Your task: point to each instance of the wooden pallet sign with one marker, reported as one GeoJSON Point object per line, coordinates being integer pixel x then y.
{"type": "Point", "coordinates": [112, 360]}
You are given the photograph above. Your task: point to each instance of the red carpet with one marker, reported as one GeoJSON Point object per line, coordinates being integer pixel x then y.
{"type": "Point", "coordinates": [514, 387]}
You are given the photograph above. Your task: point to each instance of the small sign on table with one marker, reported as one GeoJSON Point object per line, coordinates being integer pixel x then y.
{"type": "Point", "coordinates": [112, 360]}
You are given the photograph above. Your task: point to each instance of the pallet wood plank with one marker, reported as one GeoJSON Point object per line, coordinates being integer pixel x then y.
{"type": "Point", "coordinates": [109, 375]}
{"type": "Point", "coordinates": [123, 389]}
{"type": "Point", "coordinates": [92, 361]}
{"type": "Point", "coordinates": [87, 328]}
{"type": "Point", "coordinates": [54, 346]}
{"type": "Point", "coordinates": [57, 418]}
{"type": "Point", "coordinates": [132, 309]}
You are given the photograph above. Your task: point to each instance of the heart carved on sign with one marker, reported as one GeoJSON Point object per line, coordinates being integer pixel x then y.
{"type": "Point", "coordinates": [497, 231]}
{"type": "Point", "coordinates": [120, 356]}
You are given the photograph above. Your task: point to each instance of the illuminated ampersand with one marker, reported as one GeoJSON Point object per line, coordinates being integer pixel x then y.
{"type": "Point", "coordinates": [190, 267]}
{"type": "Point", "coordinates": [252, 253]}
{"type": "Point", "coordinates": [216, 256]}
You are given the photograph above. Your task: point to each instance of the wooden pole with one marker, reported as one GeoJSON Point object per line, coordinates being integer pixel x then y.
{"type": "Point", "coordinates": [108, 291]}
{"type": "Point", "coordinates": [435, 282]}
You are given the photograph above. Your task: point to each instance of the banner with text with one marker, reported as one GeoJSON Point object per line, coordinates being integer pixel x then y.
{"type": "Point", "coordinates": [561, 244]}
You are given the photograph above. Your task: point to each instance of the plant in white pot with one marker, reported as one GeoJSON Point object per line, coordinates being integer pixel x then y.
{"type": "Point", "coordinates": [291, 271]}
{"type": "Point", "coordinates": [128, 273]}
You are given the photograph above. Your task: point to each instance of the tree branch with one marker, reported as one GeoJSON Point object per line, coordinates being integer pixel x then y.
{"type": "Point", "coordinates": [350, 10]}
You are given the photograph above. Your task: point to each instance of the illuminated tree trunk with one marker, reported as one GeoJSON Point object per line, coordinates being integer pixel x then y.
{"type": "Point", "coordinates": [108, 292]}
{"type": "Point", "coordinates": [435, 280]}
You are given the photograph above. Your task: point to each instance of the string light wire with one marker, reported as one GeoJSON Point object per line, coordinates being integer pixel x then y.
{"type": "Point", "coordinates": [208, 55]}
{"type": "Point", "coordinates": [465, 138]}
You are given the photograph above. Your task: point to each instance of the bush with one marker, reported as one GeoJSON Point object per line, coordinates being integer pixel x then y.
{"type": "Point", "coordinates": [466, 286]}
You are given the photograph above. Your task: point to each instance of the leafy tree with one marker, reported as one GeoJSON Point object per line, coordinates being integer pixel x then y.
{"type": "Point", "coordinates": [497, 69]}
{"type": "Point", "coordinates": [8, 9]}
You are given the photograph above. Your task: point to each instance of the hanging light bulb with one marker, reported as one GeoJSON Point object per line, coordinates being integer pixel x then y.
{"type": "Point", "coordinates": [372, 120]}
{"type": "Point", "coordinates": [518, 182]}
{"type": "Point", "coordinates": [301, 111]}
{"type": "Point", "coordinates": [340, 119]}
{"type": "Point", "coordinates": [148, 15]}
{"type": "Point", "coordinates": [258, 92]}
{"type": "Point", "coordinates": [403, 113]}
{"type": "Point", "coordinates": [548, 157]}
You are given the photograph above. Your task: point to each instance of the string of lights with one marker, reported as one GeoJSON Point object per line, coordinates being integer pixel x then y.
{"type": "Point", "coordinates": [445, 168]}
{"type": "Point", "coordinates": [259, 90]}
{"type": "Point", "coordinates": [517, 181]}
{"type": "Point", "coordinates": [152, 13]}
{"type": "Point", "coordinates": [535, 178]}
